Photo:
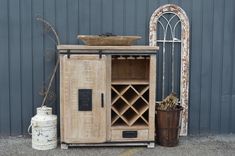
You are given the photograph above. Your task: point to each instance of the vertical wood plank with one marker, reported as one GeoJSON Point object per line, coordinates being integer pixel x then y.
{"type": "Point", "coordinates": [49, 50]}
{"type": "Point", "coordinates": [227, 70]}
{"type": "Point", "coordinates": [130, 26]}
{"type": "Point", "coordinates": [187, 7]}
{"type": "Point", "coordinates": [195, 85]}
{"type": "Point", "coordinates": [162, 2]}
{"type": "Point", "coordinates": [152, 6]}
{"type": "Point", "coordinates": [177, 2]}
{"type": "Point", "coordinates": [62, 20]}
{"type": "Point", "coordinates": [141, 8]}
{"type": "Point", "coordinates": [107, 16]}
{"type": "Point", "coordinates": [160, 62]}
{"type": "Point", "coordinates": [232, 102]}
{"type": "Point", "coordinates": [207, 40]}
{"type": "Point", "coordinates": [118, 17]}
{"type": "Point", "coordinates": [95, 23]}
{"type": "Point", "coordinates": [5, 119]}
{"type": "Point", "coordinates": [232, 110]}
{"type": "Point", "coordinates": [108, 96]}
{"type": "Point", "coordinates": [37, 50]}
{"type": "Point", "coordinates": [232, 113]}
{"type": "Point", "coordinates": [177, 57]}
{"type": "Point", "coordinates": [73, 21]}
{"type": "Point", "coordinates": [216, 65]}
{"type": "Point", "coordinates": [84, 17]}
{"type": "Point", "coordinates": [26, 64]}
{"type": "Point", "coordinates": [62, 27]}
{"type": "Point", "coordinates": [15, 66]}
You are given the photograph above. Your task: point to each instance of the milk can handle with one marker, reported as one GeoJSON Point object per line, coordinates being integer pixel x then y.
{"type": "Point", "coordinates": [30, 126]}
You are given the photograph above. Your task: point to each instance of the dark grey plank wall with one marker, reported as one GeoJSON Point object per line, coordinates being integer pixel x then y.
{"type": "Point", "coordinates": [24, 51]}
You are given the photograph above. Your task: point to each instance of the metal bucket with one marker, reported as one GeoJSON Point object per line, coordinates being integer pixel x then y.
{"type": "Point", "coordinates": [44, 129]}
{"type": "Point", "coordinates": [167, 127]}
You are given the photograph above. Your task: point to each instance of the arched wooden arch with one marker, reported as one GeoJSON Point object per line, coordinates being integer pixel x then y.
{"type": "Point", "coordinates": [184, 78]}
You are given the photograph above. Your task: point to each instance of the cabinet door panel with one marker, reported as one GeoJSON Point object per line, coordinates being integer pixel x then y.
{"type": "Point", "coordinates": [84, 120]}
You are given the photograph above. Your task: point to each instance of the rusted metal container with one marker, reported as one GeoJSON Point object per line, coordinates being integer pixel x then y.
{"type": "Point", "coordinates": [167, 127]}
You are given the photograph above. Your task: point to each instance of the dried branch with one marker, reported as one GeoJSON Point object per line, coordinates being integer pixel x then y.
{"type": "Point", "coordinates": [49, 28]}
{"type": "Point", "coordinates": [50, 82]}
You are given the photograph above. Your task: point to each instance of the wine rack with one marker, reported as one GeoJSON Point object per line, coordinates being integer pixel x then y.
{"type": "Point", "coordinates": [130, 105]}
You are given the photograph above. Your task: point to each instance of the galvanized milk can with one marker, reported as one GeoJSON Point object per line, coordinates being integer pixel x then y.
{"type": "Point", "coordinates": [44, 129]}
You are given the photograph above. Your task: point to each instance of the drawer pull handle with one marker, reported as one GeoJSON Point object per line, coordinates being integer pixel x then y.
{"type": "Point", "coordinates": [129, 134]}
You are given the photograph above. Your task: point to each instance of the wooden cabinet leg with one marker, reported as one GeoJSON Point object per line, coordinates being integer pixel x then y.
{"type": "Point", "coordinates": [151, 145]}
{"type": "Point", "coordinates": [64, 146]}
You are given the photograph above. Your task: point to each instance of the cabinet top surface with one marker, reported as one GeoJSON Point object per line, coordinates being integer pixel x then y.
{"type": "Point", "coordinates": [108, 48]}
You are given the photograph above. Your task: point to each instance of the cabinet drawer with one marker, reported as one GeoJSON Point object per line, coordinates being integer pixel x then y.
{"type": "Point", "coordinates": [129, 135]}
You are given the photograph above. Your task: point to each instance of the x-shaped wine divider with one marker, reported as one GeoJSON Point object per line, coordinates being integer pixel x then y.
{"type": "Point", "coordinates": [130, 105]}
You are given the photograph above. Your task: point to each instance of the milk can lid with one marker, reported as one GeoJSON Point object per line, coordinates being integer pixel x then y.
{"type": "Point", "coordinates": [44, 110]}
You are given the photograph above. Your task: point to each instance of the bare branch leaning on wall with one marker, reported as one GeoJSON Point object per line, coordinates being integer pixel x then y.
{"type": "Point", "coordinates": [47, 29]}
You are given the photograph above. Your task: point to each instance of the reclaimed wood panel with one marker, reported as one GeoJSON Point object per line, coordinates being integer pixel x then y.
{"type": "Point", "coordinates": [83, 126]}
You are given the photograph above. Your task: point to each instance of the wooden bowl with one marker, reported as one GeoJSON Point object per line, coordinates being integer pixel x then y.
{"type": "Point", "coordinates": [95, 40]}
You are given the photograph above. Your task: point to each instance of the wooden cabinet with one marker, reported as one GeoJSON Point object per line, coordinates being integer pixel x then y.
{"type": "Point", "coordinates": [107, 95]}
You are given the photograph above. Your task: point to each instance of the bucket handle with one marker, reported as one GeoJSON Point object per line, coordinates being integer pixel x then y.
{"type": "Point", "coordinates": [30, 126]}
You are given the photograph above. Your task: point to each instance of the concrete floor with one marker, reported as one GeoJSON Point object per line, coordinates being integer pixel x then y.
{"type": "Point", "coordinates": [198, 146]}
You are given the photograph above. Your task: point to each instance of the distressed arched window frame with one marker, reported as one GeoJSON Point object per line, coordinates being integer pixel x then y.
{"type": "Point", "coordinates": [184, 78]}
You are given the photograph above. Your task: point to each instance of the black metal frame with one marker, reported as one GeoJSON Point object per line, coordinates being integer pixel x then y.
{"type": "Point", "coordinates": [100, 53]}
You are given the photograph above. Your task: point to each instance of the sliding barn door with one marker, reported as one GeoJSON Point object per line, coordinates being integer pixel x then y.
{"type": "Point", "coordinates": [83, 109]}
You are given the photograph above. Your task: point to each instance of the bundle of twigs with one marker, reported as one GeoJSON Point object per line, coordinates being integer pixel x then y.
{"type": "Point", "coordinates": [169, 103]}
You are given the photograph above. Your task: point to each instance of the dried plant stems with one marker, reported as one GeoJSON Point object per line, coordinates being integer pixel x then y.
{"type": "Point", "coordinates": [50, 28]}
{"type": "Point", "coordinates": [50, 82]}
{"type": "Point", "coordinates": [169, 103]}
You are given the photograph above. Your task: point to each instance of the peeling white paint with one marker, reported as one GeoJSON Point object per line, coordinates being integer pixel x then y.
{"type": "Point", "coordinates": [44, 129]}
{"type": "Point", "coordinates": [184, 79]}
